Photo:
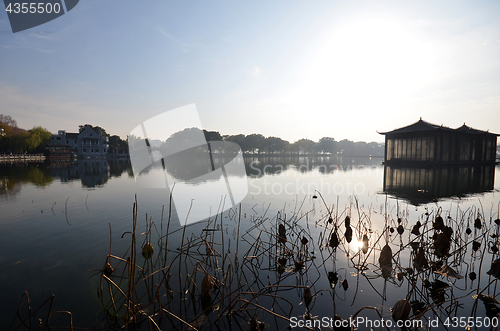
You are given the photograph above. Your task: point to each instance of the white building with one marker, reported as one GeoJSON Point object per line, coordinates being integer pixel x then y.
{"type": "Point", "coordinates": [87, 143]}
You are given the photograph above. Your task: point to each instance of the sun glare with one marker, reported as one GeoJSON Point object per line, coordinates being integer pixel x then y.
{"type": "Point", "coordinates": [367, 64]}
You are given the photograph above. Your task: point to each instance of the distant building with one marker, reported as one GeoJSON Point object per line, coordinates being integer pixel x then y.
{"type": "Point", "coordinates": [87, 143]}
{"type": "Point", "coordinates": [426, 144]}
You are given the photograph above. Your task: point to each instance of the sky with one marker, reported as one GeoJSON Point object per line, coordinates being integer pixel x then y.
{"type": "Point", "coordinates": [292, 69]}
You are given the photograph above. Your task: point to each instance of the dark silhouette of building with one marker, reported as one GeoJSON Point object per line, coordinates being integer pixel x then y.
{"type": "Point", "coordinates": [421, 185]}
{"type": "Point", "coordinates": [425, 162]}
{"type": "Point", "coordinates": [428, 144]}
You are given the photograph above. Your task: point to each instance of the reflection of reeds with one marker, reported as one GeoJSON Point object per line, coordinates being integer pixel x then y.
{"type": "Point", "coordinates": [280, 267]}
{"type": "Point", "coordinates": [212, 285]}
{"type": "Point", "coordinates": [225, 287]}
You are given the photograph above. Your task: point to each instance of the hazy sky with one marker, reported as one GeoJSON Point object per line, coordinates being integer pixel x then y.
{"type": "Point", "coordinates": [293, 69]}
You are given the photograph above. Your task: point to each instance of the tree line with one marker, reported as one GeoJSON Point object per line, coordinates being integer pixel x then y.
{"type": "Point", "coordinates": [16, 140]}
{"type": "Point", "coordinates": [258, 144]}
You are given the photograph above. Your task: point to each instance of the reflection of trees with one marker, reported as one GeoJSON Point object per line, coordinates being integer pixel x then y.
{"type": "Point", "coordinates": [14, 175]}
{"type": "Point", "coordinates": [119, 166]}
{"type": "Point", "coordinates": [39, 177]}
{"type": "Point", "coordinates": [186, 155]}
{"type": "Point", "coordinates": [189, 164]}
{"type": "Point", "coordinates": [260, 166]}
{"type": "Point", "coordinates": [91, 172]}
{"type": "Point", "coordinates": [9, 187]}
{"type": "Point", "coordinates": [198, 161]}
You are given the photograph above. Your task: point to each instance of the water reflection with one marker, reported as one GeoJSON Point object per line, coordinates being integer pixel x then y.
{"type": "Point", "coordinates": [96, 172]}
{"type": "Point", "coordinates": [91, 173]}
{"type": "Point", "coordinates": [257, 167]}
{"type": "Point", "coordinates": [424, 185]}
{"type": "Point", "coordinates": [12, 176]}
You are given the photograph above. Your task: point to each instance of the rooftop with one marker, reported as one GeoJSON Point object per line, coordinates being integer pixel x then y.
{"type": "Point", "coordinates": [422, 126]}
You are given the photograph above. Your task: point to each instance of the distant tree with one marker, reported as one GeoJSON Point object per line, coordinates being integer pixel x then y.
{"type": "Point", "coordinates": [212, 135]}
{"type": "Point", "coordinates": [37, 139]}
{"type": "Point", "coordinates": [375, 148]}
{"type": "Point", "coordinates": [95, 128]}
{"type": "Point", "coordinates": [19, 142]}
{"type": "Point", "coordinates": [6, 119]}
{"type": "Point", "coordinates": [304, 145]}
{"type": "Point", "coordinates": [345, 147]}
{"type": "Point", "coordinates": [275, 145]}
{"type": "Point", "coordinates": [327, 145]}
{"type": "Point", "coordinates": [255, 142]}
{"type": "Point", "coordinates": [115, 143]}
{"type": "Point", "coordinates": [7, 134]}
{"type": "Point", "coordinates": [240, 140]}
{"type": "Point", "coordinates": [32, 141]}
{"type": "Point", "coordinates": [360, 148]}
{"type": "Point", "coordinates": [5, 131]}
{"type": "Point", "coordinates": [181, 140]}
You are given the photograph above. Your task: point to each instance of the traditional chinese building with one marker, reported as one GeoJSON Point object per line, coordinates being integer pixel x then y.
{"type": "Point", "coordinates": [427, 144]}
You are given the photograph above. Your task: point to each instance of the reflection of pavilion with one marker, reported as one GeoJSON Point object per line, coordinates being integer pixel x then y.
{"type": "Point", "coordinates": [420, 185]}
{"type": "Point", "coordinates": [425, 162]}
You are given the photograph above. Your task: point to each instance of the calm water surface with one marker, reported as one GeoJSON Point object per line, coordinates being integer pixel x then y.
{"type": "Point", "coordinates": [55, 226]}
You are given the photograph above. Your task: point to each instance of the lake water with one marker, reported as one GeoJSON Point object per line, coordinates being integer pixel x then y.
{"type": "Point", "coordinates": [57, 221]}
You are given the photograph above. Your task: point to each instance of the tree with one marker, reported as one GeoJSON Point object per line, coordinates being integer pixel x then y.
{"type": "Point", "coordinates": [360, 148]}
{"type": "Point", "coordinates": [345, 147]}
{"type": "Point", "coordinates": [6, 119]}
{"type": "Point", "coordinates": [181, 140]}
{"type": "Point", "coordinates": [275, 145]}
{"type": "Point", "coordinates": [376, 149]}
{"type": "Point", "coordinates": [212, 135]}
{"type": "Point", "coordinates": [305, 146]}
{"type": "Point", "coordinates": [32, 141]}
{"type": "Point", "coordinates": [37, 139]}
{"type": "Point", "coordinates": [240, 140]}
{"type": "Point", "coordinates": [5, 132]}
{"type": "Point", "coordinates": [19, 142]}
{"type": "Point", "coordinates": [115, 142]}
{"type": "Point", "coordinates": [95, 128]}
{"type": "Point", "coordinates": [327, 145]}
{"type": "Point", "coordinates": [254, 142]}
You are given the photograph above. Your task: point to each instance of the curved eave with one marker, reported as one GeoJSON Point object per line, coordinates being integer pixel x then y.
{"type": "Point", "coordinates": [479, 132]}
{"type": "Point", "coordinates": [399, 131]}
